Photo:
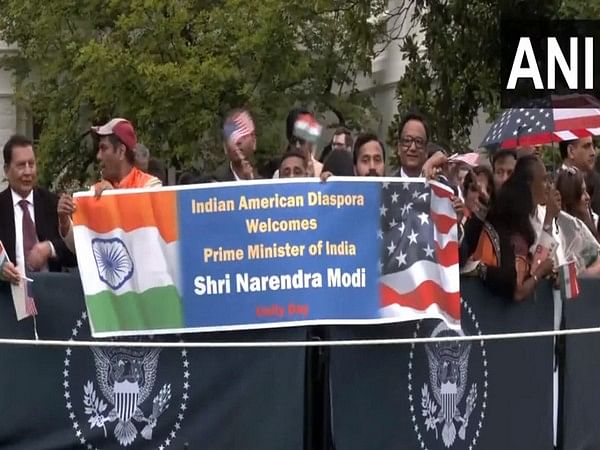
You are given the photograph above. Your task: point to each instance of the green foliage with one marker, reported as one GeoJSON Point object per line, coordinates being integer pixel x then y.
{"type": "Point", "coordinates": [451, 67]}
{"type": "Point", "coordinates": [453, 62]}
{"type": "Point", "coordinates": [174, 67]}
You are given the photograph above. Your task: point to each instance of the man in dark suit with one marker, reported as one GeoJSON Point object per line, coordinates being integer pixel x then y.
{"type": "Point", "coordinates": [28, 219]}
{"type": "Point", "coordinates": [240, 144]}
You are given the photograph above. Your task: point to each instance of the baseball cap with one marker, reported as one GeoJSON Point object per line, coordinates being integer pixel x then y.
{"type": "Point", "coordinates": [122, 128]}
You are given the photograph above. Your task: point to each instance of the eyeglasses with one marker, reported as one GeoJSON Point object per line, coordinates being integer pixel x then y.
{"type": "Point", "coordinates": [407, 141]}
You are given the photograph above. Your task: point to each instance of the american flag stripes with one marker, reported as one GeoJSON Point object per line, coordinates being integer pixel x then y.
{"type": "Point", "coordinates": [30, 307]}
{"type": "Point", "coordinates": [522, 126]}
{"type": "Point", "coordinates": [240, 125]}
{"type": "Point", "coordinates": [419, 248]}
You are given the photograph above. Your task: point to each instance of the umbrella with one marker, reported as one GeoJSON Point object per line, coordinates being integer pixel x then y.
{"type": "Point", "coordinates": [519, 127]}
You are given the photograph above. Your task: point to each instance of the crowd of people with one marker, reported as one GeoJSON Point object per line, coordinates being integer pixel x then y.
{"type": "Point", "coordinates": [517, 223]}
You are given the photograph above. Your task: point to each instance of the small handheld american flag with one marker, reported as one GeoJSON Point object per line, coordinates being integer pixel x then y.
{"type": "Point", "coordinates": [238, 126]}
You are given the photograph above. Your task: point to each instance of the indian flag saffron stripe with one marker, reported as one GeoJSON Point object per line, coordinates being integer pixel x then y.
{"type": "Point", "coordinates": [157, 210]}
{"type": "Point", "coordinates": [128, 256]}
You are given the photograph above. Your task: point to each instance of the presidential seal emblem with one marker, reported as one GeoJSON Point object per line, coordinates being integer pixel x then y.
{"type": "Point", "coordinates": [453, 396]}
{"type": "Point", "coordinates": [116, 393]}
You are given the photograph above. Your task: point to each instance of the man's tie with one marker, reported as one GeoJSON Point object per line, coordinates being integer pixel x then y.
{"type": "Point", "coordinates": [29, 233]}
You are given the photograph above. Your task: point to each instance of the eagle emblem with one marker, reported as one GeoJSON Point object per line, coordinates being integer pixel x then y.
{"type": "Point", "coordinates": [126, 378]}
{"type": "Point", "coordinates": [448, 370]}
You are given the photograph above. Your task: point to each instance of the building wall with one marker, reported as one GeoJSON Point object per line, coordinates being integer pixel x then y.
{"type": "Point", "coordinates": [387, 69]}
{"type": "Point", "coordinates": [9, 123]}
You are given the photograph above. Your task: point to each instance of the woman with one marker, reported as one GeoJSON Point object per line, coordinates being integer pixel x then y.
{"type": "Point", "coordinates": [501, 257]}
{"type": "Point", "coordinates": [581, 242]}
{"type": "Point", "coordinates": [575, 198]}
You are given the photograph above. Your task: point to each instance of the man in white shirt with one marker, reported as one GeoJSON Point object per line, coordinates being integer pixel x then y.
{"type": "Point", "coordinates": [29, 222]}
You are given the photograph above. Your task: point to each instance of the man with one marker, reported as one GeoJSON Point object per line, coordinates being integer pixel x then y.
{"type": "Point", "coordinates": [239, 137]}
{"type": "Point", "coordinates": [414, 158]}
{"type": "Point", "coordinates": [28, 223]}
{"type": "Point", "coordinates": [293, 165]}
{"type": "Point", "coordinates": [307, 131]}
{"type": "Point", "coordinates": [369, 156]}
{"type": "Point", "coordinates": [412, 145]}
{"type": "Point", "coordinates": [581, 154]}
{"type": "Point", "coordinates": [503, 166]}
{"type": "Point", "coordinates": [341, 141]}
{"type": "Point", "coordinates": [117, 141]}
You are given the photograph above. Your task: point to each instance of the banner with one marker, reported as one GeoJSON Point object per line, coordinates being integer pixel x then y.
{"type": "Point", "coordinates": [448, 395]}
{"type": "Point", "coordinates": [267, 254]}
{"type": "Point", "coordinates": [111, 398]}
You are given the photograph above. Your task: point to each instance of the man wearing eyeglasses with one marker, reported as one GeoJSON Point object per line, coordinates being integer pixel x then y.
{"type": "Point", "coordinates": [412, 145]}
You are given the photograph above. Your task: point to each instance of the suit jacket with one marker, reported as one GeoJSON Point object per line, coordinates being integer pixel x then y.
{"type": "Point", "coordinates": [46, 225]}
{"type": "Point", "coordinates": [224, 173]}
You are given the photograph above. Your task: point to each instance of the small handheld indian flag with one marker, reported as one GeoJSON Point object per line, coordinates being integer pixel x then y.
{"type": "Point", "coordinates": [308, 128]}
{"type": "Point", "coordinates": [569, 287]}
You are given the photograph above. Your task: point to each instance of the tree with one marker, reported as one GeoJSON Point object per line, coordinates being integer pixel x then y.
{"type": "Point", "coordinates": [453, 64]}
{"type": "Point", "coordinates": [176, 66]}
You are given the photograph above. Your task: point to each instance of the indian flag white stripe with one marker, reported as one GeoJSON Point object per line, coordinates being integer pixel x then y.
{"type": "Point", "coordinates": [155, 262]}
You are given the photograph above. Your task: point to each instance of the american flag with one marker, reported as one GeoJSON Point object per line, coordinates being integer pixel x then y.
{"type": "Point", "coordinates": [240, 125]}
{"type": "Point", "coordinates": [30, 307]}
{"type": "Point", "coordinates": [419, 252]}
{"type": "Point", "coordinates": [527, 126]}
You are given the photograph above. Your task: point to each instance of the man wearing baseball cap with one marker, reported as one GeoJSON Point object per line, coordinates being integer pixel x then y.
{"type": "Point", "coordinates": [116, 154]}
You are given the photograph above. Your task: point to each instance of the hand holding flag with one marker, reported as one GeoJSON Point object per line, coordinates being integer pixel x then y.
{"type": "Point", "coordinates": [8, 271]}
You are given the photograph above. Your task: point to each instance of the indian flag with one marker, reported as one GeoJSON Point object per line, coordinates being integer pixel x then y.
{"type": "Point", "coordinates": [569, 287]}
{"type": "Point", "coordinates": [127, 251]}
{"type": "Point", "coordinates": [308, 128]}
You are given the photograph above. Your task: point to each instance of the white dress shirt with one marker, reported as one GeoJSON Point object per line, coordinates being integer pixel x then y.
{"type": "Point", "coordinates": [18, 213]}
{"type": "Point", "coordinates": [16, 198]}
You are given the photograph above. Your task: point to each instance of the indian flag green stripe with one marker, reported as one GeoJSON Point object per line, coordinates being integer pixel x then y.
{"type": "Point", "coordinates": [154, 309]}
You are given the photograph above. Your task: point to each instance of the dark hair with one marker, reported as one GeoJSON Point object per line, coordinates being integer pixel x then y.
{"type": "Point", "coordinates": [361, 140]}
{"type": "Point", "coordinates": [413, 116]}
{"type": "Point", "coordinates": [564, 148]}
{"type": "Point", "coordinates": [339, 164]}
{"type": "Point", "coordinates": [292, 154]}
{"type": "Point", "coordinates": [16, 140]}
{"type": "Point", "coordinates": [471, 178]}
{"type": "Point", "coordinates": [291, 120]}
{"type": "Point", "coordinates": [195, 178]}
{"type": "Point", "coordinates": [514, 203]}
{"type": "Point", "coordinates": [347, 135]}
{"type": "Point", "coordinates": [501, 154]}
{"type": "Point", "coordinates": [570, 185]}
{"type": "Point", "coordinates": [433, 148]}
